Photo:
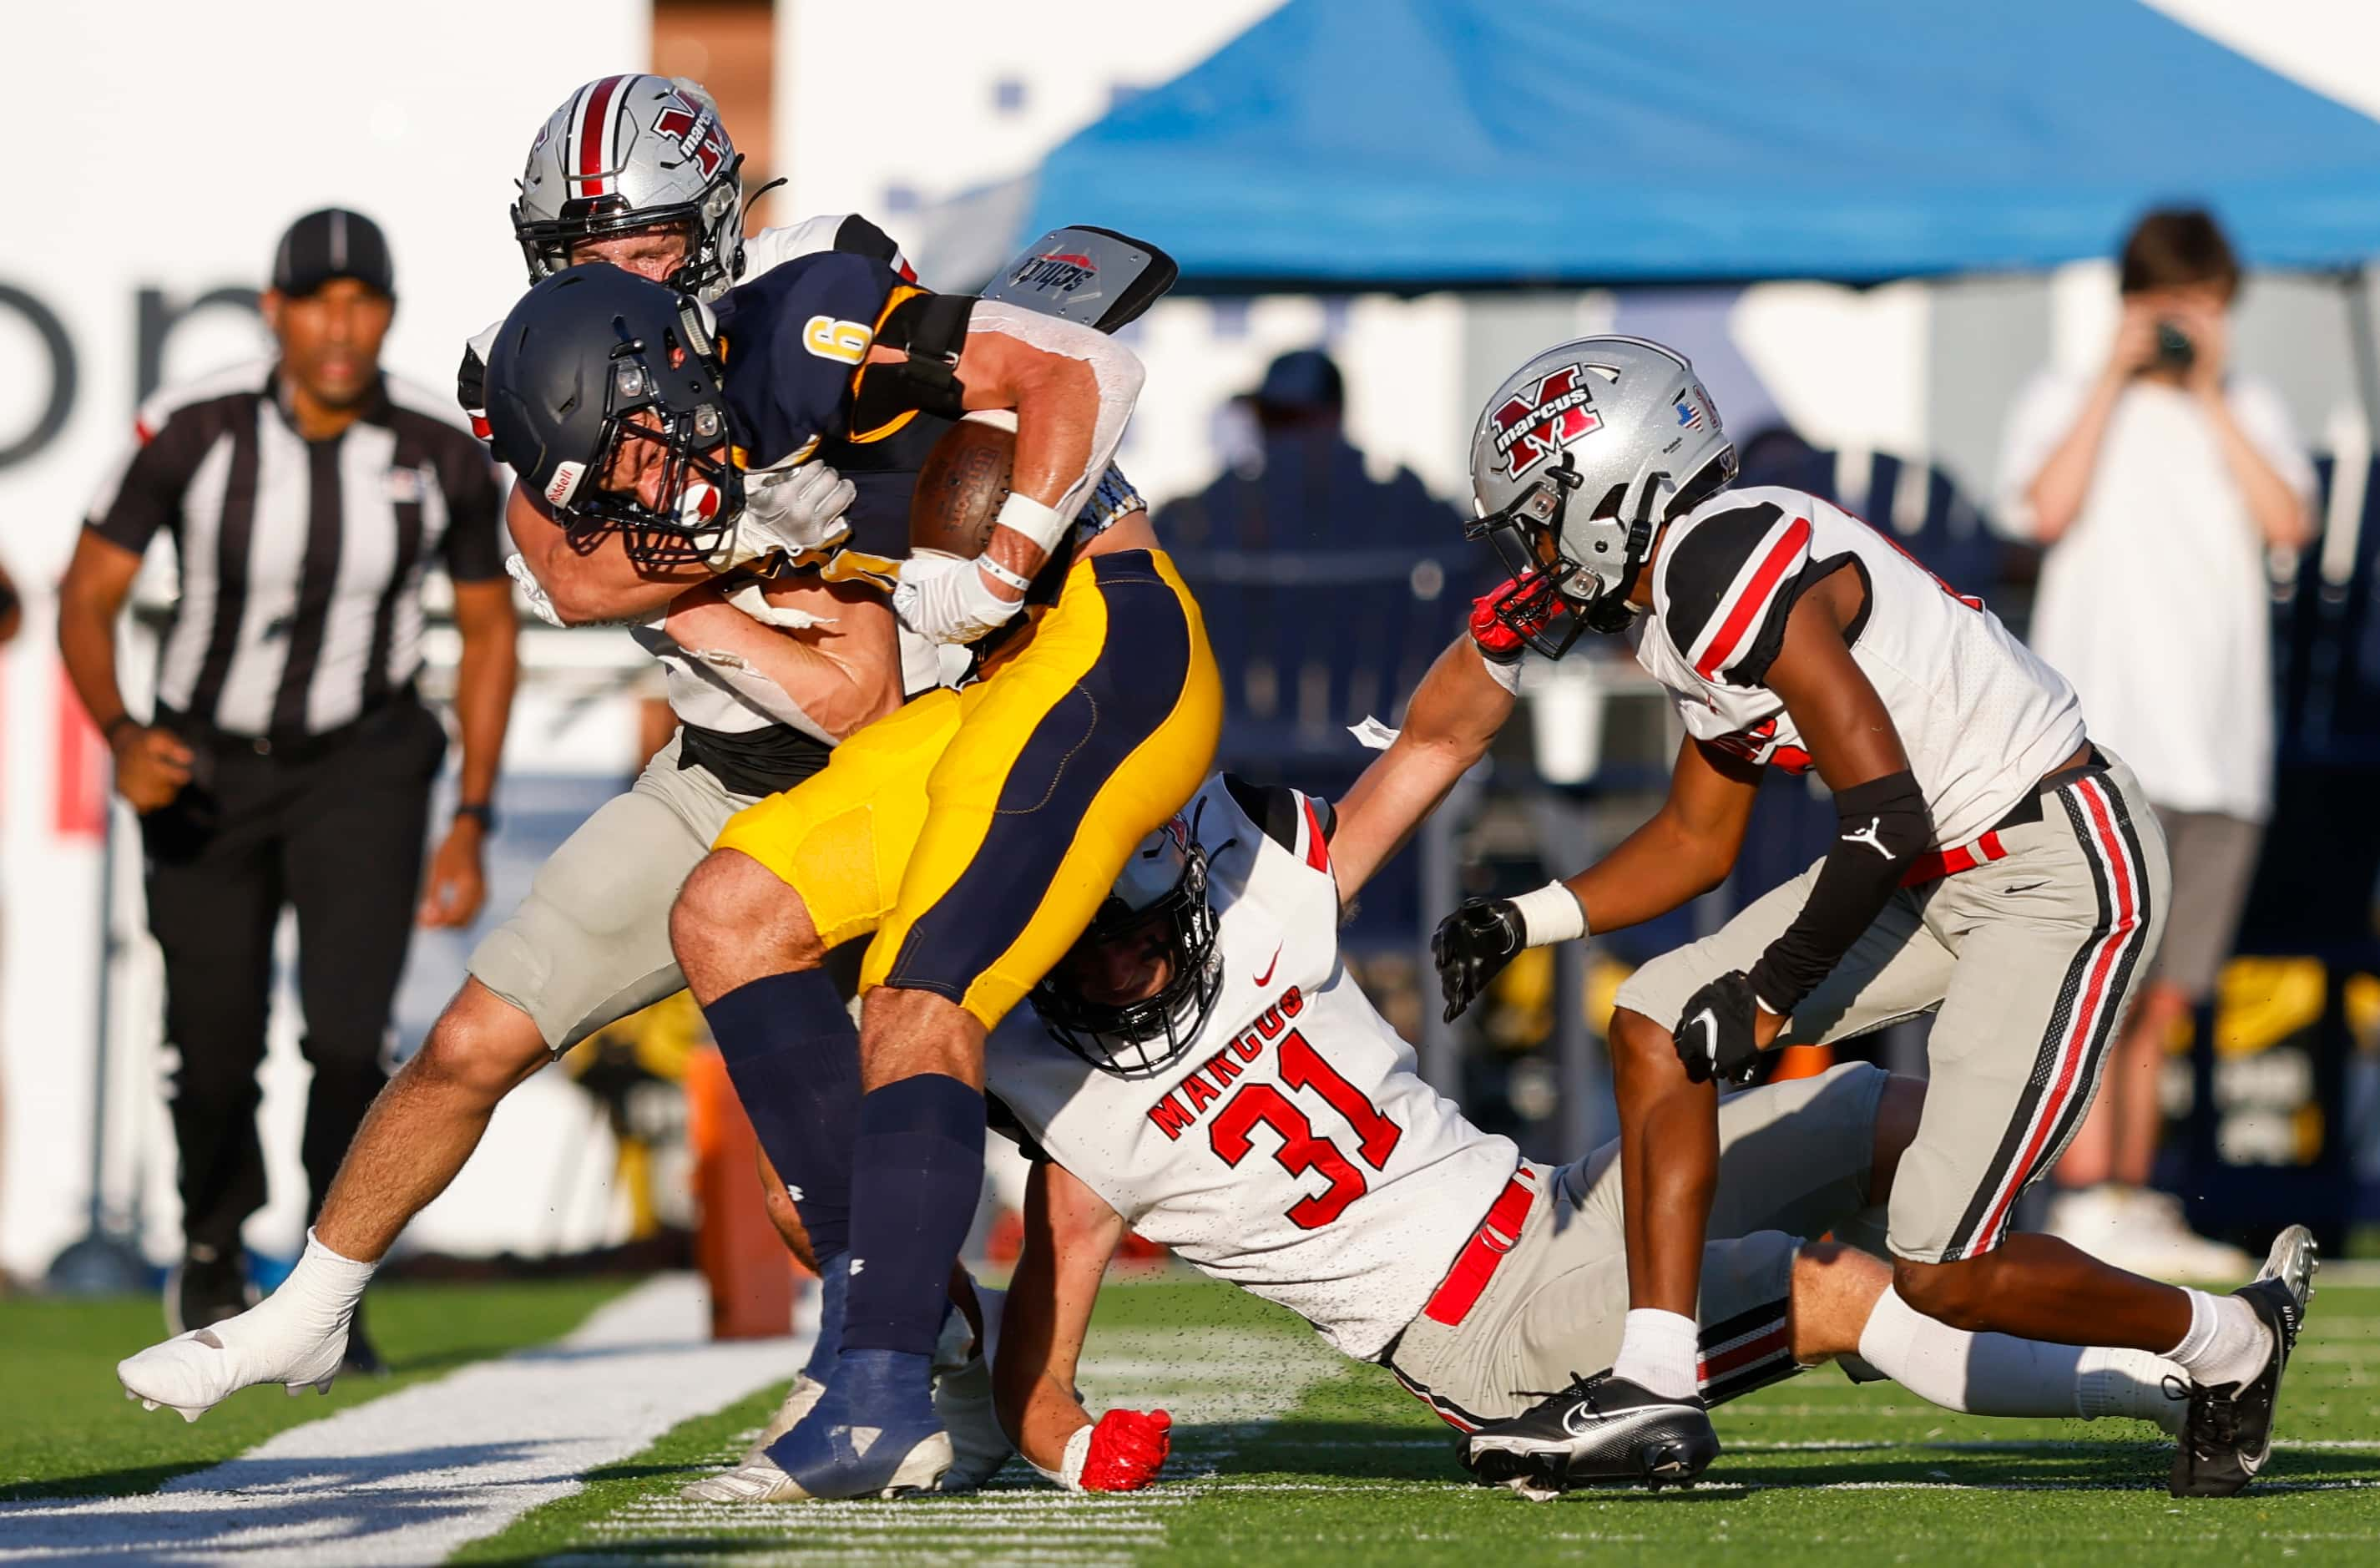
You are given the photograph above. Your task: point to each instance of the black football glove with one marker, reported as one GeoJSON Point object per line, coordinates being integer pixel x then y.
{"type": "Point", "coordinates": [1472, 946]}
{"type": "Point", "coordinates": [1714, 1035]}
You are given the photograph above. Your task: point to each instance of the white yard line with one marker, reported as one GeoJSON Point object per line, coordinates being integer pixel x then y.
{"type": "Point", "coordinates": [411, 1478]}
{"type": "Point", "coordinates": [1220, 1386]}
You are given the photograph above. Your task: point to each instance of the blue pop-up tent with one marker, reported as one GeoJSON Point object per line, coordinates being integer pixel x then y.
{"type": "Point", "coordinates": [1454, 143]}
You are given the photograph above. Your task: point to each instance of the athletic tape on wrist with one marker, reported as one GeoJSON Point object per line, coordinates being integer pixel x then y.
{"type": "Point", "coordinates": [1042, 524]}
{"type": "Point", "coordinates": [1070, 1473]}
{"type": "Point", "coordinates": [1550, 914]}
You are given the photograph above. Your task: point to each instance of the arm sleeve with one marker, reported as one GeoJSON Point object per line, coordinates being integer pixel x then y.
{"type": "Point", "coordinates": [143, 493]}
{"type": "Point", "coordinates": [2037, 421]}
{"type": "Point", "coordinates": [1729, 584]}
{"type": "Point", "coordinates": [1885, 826]}
{"type": "Point", "coordinates": [475, 545]}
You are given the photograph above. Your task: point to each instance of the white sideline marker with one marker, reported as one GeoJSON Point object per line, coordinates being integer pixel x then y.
{"type": "Point", "coordinates": [411, 1478]}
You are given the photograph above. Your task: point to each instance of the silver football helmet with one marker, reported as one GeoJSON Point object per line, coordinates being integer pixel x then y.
{"type": "Point", "coordinates": [1577, 460]}
{"type": "Point", "coordinates": [626, 152]}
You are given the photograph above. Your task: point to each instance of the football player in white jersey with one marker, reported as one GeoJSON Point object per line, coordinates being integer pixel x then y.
{"type": "Point", "coordinates": [1993, 867]}
{"type": "Point", "coordinates": [1213, 1079]}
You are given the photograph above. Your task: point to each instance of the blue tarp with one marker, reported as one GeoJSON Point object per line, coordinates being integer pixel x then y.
{"type": "Point", "coordinates": [1429, 144]}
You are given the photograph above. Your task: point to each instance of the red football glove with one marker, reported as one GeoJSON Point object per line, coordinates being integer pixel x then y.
{"type": "Point", "coordinates": [1127, 1450]}
{"type": "Point", "coordinates": [1530, 601]}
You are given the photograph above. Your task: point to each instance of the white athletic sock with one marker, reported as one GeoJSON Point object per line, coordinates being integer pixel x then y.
{"type": "Point", "coordinates": [1661, 1351]}
{"type": "Point", "coordinates": [2001, 1375]}
{"type": "Point", "coordinates": [2226, 1343]}
{"type": "Point", "coordinates": [2131, 1382]}
{"type": "Point", "coordinates": [324, 1288]}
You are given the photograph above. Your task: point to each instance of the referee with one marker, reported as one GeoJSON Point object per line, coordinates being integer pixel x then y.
{"type": "Point", "coordinates": [288, 759]}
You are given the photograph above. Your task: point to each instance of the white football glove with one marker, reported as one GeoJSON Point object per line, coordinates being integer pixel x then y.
{"type": "Point", "coordinates": [796, 511]}
{"type": "Point", "coordinates": [540, 602]}
{"type": "Point", "coordinates": [944, 598]}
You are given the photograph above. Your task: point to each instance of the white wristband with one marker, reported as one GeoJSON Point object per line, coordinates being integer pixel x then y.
{"type": "Point", "coordinates": [1042, 524]}
{"type": "Point", "coordinates": [1070, 1472]}
{"type": "Point", "coordinates": [1550, 914]}
{"type": "Point", "coordinates": [1503, 674]}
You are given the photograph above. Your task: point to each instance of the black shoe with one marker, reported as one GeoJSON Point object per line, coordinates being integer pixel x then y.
{"type": "Point", "coordinates": [2228, 1434]}
{"type": "Point", "coordinates": [362, 1359]}
{"type": "Point", "coordinates": [1599, 1430]}
{"type": "Point", "coordinates": [205, 1288]}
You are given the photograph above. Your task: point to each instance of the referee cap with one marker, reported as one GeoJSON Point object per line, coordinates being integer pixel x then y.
{"type": "Point", "coordinates": [333, 243]}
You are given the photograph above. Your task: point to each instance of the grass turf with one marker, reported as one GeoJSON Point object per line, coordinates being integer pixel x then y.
{"type": "Point", "coordinates": [69, 1431]}
{"type": "Point", "coordinates": [1351, 1469]}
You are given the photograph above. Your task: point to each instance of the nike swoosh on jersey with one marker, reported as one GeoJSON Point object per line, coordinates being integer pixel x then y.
{"type": "Point", "coordinates": [1266, 978]}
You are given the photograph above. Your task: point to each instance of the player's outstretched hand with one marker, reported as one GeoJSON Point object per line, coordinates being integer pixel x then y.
{"type": "Point", "coordinates": [1127, 1449]}
{"type": "Point", "coordinates": [1716, 1035]}
{"type": "Point", "coordinates": [1471, 948]}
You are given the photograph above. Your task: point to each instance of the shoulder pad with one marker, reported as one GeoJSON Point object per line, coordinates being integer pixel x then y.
{"type": "Point", "coordinates": [1297, 821]}
{"type": "Point", "coordinates": [1726, 585]}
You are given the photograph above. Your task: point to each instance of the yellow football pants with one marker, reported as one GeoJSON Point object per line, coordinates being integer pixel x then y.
{"type": "Point", "coordinates": [976, 832]}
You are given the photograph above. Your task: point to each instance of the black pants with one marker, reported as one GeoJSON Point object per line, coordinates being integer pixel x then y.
{"type": "Point", "coordinates": [335, 831]}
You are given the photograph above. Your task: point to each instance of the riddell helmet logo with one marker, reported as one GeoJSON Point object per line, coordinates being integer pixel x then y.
{"type": "Point", "coordinates": [1538, 420]}
{"type": "Point", "coordinates": [565, 483]}
{"type": "Point", "coordinates": [1058, 271]}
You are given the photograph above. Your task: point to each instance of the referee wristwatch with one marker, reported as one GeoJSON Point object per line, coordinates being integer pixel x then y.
{"type": "Point", "coordinates": [481, 811]}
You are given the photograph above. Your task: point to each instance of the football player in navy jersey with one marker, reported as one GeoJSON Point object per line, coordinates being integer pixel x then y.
{"type": "Point", "coordinates": [991, 820]}
{"type": "Point", "coordinates": [1992, 866]}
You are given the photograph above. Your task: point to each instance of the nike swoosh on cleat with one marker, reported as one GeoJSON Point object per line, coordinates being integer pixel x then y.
{"type": "Point", "coordinates": [1266, 978]}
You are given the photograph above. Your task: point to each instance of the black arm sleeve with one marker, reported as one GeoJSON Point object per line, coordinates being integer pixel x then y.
{"type": "Point", "coordinates": [1885, 826]}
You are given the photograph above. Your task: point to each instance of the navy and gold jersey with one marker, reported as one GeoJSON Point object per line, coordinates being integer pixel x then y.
{"type": "Point", "coordinates": [795, 336]}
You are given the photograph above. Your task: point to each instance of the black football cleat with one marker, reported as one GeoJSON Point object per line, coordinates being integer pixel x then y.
{"type": "Point", "coordinates": [2228, 1434]}
{"type": "Point", "coordinates": [361, 1358]}
{"type": "Point", "coordinates": [205, 1288]}
{"type": "Point", "coordinates": [1600, 1432]}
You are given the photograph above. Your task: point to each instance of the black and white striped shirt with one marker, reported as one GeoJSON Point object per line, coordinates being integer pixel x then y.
{"type": "Point", "coordinates": [301, 561]}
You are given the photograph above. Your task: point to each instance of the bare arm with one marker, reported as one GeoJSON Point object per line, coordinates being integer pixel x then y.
{"type": "Point", "coordinates": [1842, 720]}
{"type": "Point", "coordinates": [845, 672]}
{"type": "Point", "coordinates": [1070, 1233]}
{"type": "Point", "coordinates": [591, 579]}
{"type": "Point", "coordinates": [1072, 389]}
{"type": "Point", "coordinates": [1453, 718]}
{"type": "Point", "coordinates": [1685, 849]}
{"type": "Point", "coordinates": [457, 882]}
{"type": "Point", "coordinates": [2278, 512]}
{"type": "Point", "coordinates": [2056, 493]}
{"type": "Point", "coordinates": [152, 766]}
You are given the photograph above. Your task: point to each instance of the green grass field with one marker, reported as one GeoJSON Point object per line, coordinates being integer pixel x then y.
{"type": "Point", "coordinates": [69, 1431]}
{"type": "Point", "coordinates": [1286, 1456]}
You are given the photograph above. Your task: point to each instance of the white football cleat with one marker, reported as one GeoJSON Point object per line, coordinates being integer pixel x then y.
{"type": "Point", "coordinates": [754, 1480]}
{"type": "Point", "coordinates": [799, 1400]}
{"type": "Point", "coordinates": [192, 1373]}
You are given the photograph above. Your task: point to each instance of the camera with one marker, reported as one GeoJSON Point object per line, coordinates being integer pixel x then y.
{"type": "Point", "coordinates": [2174, 349]}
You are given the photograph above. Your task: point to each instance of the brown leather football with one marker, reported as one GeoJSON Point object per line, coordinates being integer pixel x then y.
{"type": "Point", "coordinates": [960, 489]}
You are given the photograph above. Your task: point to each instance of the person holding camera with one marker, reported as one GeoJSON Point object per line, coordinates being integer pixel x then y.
{"type": "Point", "coordinates": [2158, 485]}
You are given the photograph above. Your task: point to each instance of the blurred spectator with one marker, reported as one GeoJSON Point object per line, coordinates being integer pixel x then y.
{"type": "Point", "coordinates": [1309, 489]}
{"type": "Point", "coordinates": [2158, 485]}
{"type": "Point", "coordinates": [288, 759]}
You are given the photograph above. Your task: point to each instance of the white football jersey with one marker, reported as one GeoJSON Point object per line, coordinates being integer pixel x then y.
{"type": "Point", "coordinates": [1292, 1150]}
{"type": "Point", "coordinates": [1981, 717]}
